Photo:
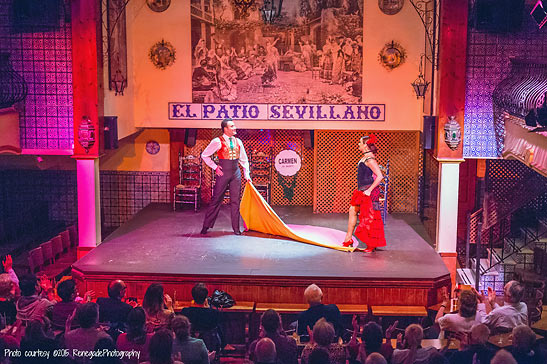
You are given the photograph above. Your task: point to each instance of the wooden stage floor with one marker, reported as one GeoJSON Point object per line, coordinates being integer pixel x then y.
{"type": "Point", "coordinates": [161, 245]}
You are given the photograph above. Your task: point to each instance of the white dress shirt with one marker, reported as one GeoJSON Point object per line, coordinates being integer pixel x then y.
{"type": "Point", "coordinates": [216, 144]}
{"type": "Point", "coordinates": [508, 316]}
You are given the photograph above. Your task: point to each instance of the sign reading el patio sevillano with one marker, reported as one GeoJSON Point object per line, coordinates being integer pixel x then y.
{"type": "Point", "coordinates": [346, 112]}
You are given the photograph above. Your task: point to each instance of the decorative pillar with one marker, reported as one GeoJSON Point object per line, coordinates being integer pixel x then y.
{"type": "Point", "coordinates": [451, 103]}
{"type": "Point", "coordinates": [88, 106]}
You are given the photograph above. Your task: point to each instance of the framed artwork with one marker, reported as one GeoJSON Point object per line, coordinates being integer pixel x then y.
{"type": "Point", "coordinates": [117, 45]}
{"type": "Point", "coordinates": [277, 51]}
{"type": "Point", "coordinates": [158, 5]}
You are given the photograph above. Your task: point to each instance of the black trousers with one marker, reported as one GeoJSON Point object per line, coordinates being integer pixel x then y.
{"type": "Point", "coordinates": [231, 179]}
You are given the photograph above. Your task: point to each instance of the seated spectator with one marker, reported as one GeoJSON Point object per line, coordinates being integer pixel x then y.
{"type": "Point", "coordinates": [7, 299]}
{"type": "Point", "coordinates": [158, 308]}
{"type": "Point", "coordinates": [308, 318]}
{"type": "Point", "coordinates": [86, 336]}
{"type": "Point", "coordinates": [319, 356]}
{"type": "Point", "coordinates": [30, 305]}
{"type": "Point", "coordinates": [524, 349]}
{"type": "Point", "coordinates": [204, 319]}
{"type": "Point", "coordinates": [412, 347]}
{"type": "Point", "coordinates": [501, 319]}
{"type": "Point", "coordinates": [265, 351]}
{"type": "Point", "coordinates": [270, 324]}
{"type": "Point", "coordinates": [191, 350]}
{"type": "Point", "coordinates": [161, 348]}
{"type": "Point", "coordinates": [105, 344]}
{"type": "Point", "coordinates": [136, 337]}
{"type": "Point", "coordinates": [372, 341]}
{"type": "Point", "coordinates": [38, 336]}
{"type": "Point", "coordinates": [461, 321]}
{"type": "Point", "coordinates": [323, 336]}
{"type": "Point", "coordinates": [111, 308]}
{"type": "Point", "coordinates": [474, 347]}
{"type": "Point", "coordinates": [7, 263]}
{"type": "Point", "coordinates": [66, 290]}
{"type": "Point", "coordinates": [375, 358]}
{"type": "Point", "coordinates": [503, 357]}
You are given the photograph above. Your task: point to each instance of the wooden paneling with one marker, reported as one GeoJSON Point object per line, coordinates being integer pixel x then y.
{"type": "Point", "coordinates": [368, 291]}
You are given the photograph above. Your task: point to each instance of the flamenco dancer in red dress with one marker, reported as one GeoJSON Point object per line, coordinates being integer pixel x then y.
{"type": "Point", "coordinates": [364, 201]}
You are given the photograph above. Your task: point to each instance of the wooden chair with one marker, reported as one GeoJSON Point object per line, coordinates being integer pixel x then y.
{"type": "Point", "coordinates": [35, 260]}
{"type": "Point", "coordinates": [57, 246]}
{"type": "Point", "coordinates": [188, 191]}
{"type": "Point", "coordinates": [47, 252]}
{"type": "Point", "coordinates": [384, 189]}
{"type": "Point", "coordinates": [65, 240]}
{"type": "Point", "coordinates": [261, 173]}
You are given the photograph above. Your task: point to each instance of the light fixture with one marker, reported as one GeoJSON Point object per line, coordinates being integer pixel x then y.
{"type": "Point", "coordinates": [420, 85]}
{"type": "Point", "coordinates": [271, 10]}
{"type": "Point", "coordinates": [118, 83]}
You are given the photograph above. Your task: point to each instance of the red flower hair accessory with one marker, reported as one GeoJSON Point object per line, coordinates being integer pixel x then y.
{"type": "Point", "coordinates": [371, 139]}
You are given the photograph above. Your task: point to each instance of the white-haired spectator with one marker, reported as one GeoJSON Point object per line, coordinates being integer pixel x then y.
{"type": "Point", "coordinates": [375, 358]}
{"type": "Point", "coordinates": [513, 312]}
{"type": "Point", "coordinates": [503, 357]}
{"type": "Point", "coordinates": [474, 347]}
{"type": "Point", "coordinates": [413, 351]}
{"type": "Point", "coordinates": [524, 349]}
{"type": "Point", "coordinates": [317, 310]}
{"type": "Point", "coordinates": [265, 351]}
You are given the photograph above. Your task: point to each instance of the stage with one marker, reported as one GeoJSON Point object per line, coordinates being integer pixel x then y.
{"type": "Point", "coordinates": [159, 245]}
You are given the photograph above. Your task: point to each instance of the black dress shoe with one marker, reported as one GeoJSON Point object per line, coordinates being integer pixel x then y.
{"type": "Point", "coordinates": [237, 232]}
{"type": "Point", "coordinates": [204, 230]}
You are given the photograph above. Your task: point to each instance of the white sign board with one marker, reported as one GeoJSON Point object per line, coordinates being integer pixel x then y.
{"type": "Point", "coordinates": [288, 162]}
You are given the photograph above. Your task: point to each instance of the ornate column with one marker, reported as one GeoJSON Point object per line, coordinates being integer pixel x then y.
{"type": "Point", "coordinates": [451, 102]}
{"type": "Point", "coordinates": [88, 102]}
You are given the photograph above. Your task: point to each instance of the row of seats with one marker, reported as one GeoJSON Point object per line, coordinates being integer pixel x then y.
{"type": "Point", "coordinates": [56, 255]}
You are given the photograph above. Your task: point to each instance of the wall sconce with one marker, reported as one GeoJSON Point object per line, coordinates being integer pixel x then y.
{"type": "Point", "coordinates": [420, 85]}
{"type": "Point", "coordinates": [271, 10]}
{"type": "Point", "coordinates": [118, 83]}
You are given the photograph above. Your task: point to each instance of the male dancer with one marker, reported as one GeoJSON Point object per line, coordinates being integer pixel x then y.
{"type": "Point", "coordinates": [230, 153]}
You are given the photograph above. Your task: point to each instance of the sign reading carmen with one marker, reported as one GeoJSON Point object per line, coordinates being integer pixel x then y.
{"type": "Point", "coordinates": [352, 112]}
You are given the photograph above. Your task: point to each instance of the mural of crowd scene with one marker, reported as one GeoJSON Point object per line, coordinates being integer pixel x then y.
{"type": "Point", "coordinates": [277, 51]}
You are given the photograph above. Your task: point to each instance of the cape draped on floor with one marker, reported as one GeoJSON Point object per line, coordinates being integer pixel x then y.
{"type": "Point", "coordinates": [259, 216]}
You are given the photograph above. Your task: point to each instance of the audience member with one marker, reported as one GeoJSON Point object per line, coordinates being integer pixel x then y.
{"type": "Point", "coordinates": [474, 349]}
{"type": "Point", "coordinates": [136, 337]}
{"type": "Point", "coordinates": [38, 336]}
{"type": "Point", "coordinates": [524, 349]}
{"type": "Point", "coordinates": [204, 319]}
{"type": "Point", "coordinates": [319, 356]}
{"type": "Point", "coordinates": [513, 313]}
{"type": "Point", "coordinates": [461, 321]}
{"type": "Point", "coordinates": [323, 336]}
{"type": "Point", "coordinates": [7, 299]}
{"type": "Point", "coordinates": [265, 351]}
{"type": "Point", "coordinates": [270, 324]}
{"type": "Point", "coordinates": [66, 290]}
{"type": "Point", "coordinates": [108, 346]}
{"type": "Point", "coordinates": [111, 308]}
{"type": "Point", "coordinates": [191, 350]}
{"type": "Point", "coordinates": [30, 305]}
{"type": "Point", "coordinates": [437, 358]}
{"type": "Point", "coordinates": [161, 348]}
{"type": "Point", "coordinates": [372, 341]}
{"type": "Point", "coordinates": [317, 309]}
{"type": "Point", "coordinates": [503, 357]}
{"type": "Point", "coordinates": [86, 336]}
{"type": "Point", "coordinates": [412, 351]}
{"type": "Point", "coordinates": [375, 358]}
{"type": "Point", "coordinates": [158, 308]}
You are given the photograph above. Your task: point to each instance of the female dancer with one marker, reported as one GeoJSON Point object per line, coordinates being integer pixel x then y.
{"type": "Point", "coordinates": [365, 199]}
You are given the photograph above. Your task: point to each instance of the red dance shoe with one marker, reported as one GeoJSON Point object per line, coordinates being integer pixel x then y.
{"type": "Point", "coordinates": [348, 243]}
{"type": "Point", "coordinates": [369, 250]}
